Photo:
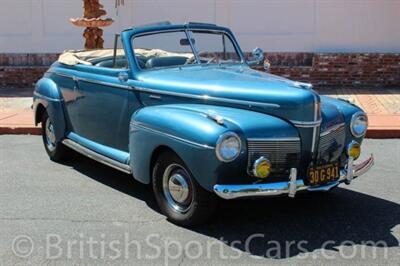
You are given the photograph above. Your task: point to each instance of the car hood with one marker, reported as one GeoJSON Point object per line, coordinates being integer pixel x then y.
{"type": "Point", "coordinates": [236, 85]}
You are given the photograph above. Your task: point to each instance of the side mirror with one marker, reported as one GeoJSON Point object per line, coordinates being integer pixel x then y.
{"type": "Point", "coordinates": [257, 57]}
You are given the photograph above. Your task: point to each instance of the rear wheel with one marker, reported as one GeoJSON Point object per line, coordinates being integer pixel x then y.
{"type": "Point", "coordinates": [55, 149]}
{"type": "Point", "coordinates": [178, 194]}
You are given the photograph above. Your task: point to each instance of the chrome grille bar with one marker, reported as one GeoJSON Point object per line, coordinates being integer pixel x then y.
{"type": "Point", "coordinates": [282, 153]}
{"type": "Point", "coordinates": [331, 143]}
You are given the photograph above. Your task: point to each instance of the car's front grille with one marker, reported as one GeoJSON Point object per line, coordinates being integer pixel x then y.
{"type": "Point", "coordinates": [331, 143]}
{"type": "Point", "coordinates": [282, 153]}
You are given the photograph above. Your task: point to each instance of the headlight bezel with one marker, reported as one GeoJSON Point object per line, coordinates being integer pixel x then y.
{"type": "Point", "coordinates": [354, 118]}
{"type": "Point", "coordinates": [220, 141]}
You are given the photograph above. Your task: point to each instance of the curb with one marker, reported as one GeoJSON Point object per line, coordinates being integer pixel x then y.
{"type": "Point", "coordinates": [383, 133]}
{"type": "Point", "coordinates": [371, 133]}
{"type": "Point", "coordinates": [20, 130]}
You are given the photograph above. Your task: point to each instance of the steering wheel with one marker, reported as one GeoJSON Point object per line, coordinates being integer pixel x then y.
{"type": "Point", "coordinates": [212, 59]}
{"type": "Point", "coordinates": [190, 60]}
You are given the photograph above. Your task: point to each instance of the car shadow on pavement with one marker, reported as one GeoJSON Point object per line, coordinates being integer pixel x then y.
{"type": "Point", "coordinates": [282, 227]}
{"type": "Point", "coordinates": [279, 227]}
{"type": "Point", "coordinates": [120, 181]}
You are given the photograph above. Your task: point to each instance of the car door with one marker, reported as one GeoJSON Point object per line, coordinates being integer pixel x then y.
{"type": "Point", "coordinates": [105, 105]}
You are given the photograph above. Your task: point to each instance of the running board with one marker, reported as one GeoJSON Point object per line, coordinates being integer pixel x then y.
{"type": "Point", "coordinates": [96, 156]}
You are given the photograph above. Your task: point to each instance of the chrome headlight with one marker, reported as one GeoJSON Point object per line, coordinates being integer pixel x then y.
{"type": "Point", "coordinates": [228, 147]}
{"type": "Point", "coordinates": [359, 124]}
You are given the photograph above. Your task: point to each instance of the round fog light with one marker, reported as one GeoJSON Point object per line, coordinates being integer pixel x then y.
{"type": "Point", "coordinates": [354, 150]}
{"type": "Point", "coordinates": [262, 167]}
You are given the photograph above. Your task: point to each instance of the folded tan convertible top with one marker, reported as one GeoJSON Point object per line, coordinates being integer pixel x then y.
{"type": "Point", "coordinates": [74, 57]}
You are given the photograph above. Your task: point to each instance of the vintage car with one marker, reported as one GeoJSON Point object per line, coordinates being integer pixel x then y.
{"type": "Point", "coordinates": [179, 107]}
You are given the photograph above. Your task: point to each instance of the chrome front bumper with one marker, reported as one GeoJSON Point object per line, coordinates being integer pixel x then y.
{"type": "Point", "coordinates": [293, 185]}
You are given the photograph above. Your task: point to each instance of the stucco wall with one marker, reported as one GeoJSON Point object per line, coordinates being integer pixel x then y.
{"type": "Point", "coordinates": [37, 26]}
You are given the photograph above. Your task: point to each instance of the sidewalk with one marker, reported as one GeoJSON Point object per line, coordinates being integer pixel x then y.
{"type": "Point", "coordinates": [381, 105]}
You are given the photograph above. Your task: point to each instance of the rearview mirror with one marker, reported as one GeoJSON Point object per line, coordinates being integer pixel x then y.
{"type": "Point", "coordinates": [185, 42]}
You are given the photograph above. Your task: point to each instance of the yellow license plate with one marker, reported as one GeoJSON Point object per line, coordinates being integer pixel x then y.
{"type": "Point", "coordinates": [322, 174]}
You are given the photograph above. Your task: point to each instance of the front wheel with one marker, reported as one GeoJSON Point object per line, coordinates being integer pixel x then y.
{"type": "Point", "coordinates": [178, 194]}
{"type": "Point", "coordinates": [55, 149]}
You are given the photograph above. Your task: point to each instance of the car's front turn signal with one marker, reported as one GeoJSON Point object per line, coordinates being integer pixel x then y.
{"type": "Point", "coordinates": [262, 167]}
{"type": "Point", "coordinates": [354, 149]}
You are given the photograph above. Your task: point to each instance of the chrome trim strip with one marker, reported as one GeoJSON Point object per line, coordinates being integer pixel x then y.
{"type": "Point", "coordinates": [274, 139]}
{"type": "Point", "coordinates": [46, 97]}
{"type": "Point", "coordinates": [314, 139]}
{"type": "Point", "coordinates": [177, 94]}
{"type": "Point", "coordinates": [256, 190]}
{"type": "Point", "coordinates": [278, 188]}
{"type": "Point", "coordinates": [332, 129]}
{"type": "Point", "coordinates": [140, 125]}
{"type": "Point", "coordinates": [317, 106]}
{"type": "Point", "coordinates": [306, 124]}
{"type": "Point", "coordinates": [104, 83]}
{"type": "Point", "coordinates": [155, 97]}
{"type": "Point", "coordinates": [75, 78]}
{"type": "Point", "coordinates": [204, 97]}
{"type": "Point", "coordinates": [97, 157]}
{"type": "Point", "coordinates": [61, 74]}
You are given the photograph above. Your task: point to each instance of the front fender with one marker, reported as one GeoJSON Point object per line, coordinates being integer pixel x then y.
{"type": "Point", "coordinates": [191, 132]}
{"type": "Point", "coordinates": [347, 110]}
{"type": "Point", "coordinates": [48, 96]}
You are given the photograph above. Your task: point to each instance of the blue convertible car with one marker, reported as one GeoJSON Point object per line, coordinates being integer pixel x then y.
{"type": "Point", "coordinates": [179, 108]}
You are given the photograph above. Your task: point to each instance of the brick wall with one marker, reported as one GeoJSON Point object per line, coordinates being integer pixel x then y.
{"type": "Point", "coordinates": [23, 70]}
{"type": "Point", "coordinates": [333, 70]}
{"type": "Point", "coordinates": [321, 69]}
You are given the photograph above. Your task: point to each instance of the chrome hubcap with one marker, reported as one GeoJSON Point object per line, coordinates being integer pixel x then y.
{"type": "Point", "coordinates": [50, 137]}
{"type": "Point", "coordinates": [177, 188]}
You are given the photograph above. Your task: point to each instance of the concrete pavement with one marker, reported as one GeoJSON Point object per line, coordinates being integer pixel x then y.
{"type": "Point", "coordinates": [381, 105]}
{"type": "Point", "coordinates": [84, 213]}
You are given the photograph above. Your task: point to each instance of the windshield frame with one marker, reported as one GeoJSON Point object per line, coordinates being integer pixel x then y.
{"type": "Point", "coordinates": [188, 32]}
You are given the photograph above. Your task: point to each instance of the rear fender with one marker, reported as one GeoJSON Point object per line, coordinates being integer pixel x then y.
{"type": "Point", "coordinates": [48, 97]}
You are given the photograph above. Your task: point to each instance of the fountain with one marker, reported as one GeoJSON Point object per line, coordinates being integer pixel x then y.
{"type": "Point", "coordinates": [93, 34]}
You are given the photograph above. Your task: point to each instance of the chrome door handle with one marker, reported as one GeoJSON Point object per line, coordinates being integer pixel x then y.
{"type": "Point", "coordinates": [156, 97]}
{"type": "Point", "coordinates": [123, 76]}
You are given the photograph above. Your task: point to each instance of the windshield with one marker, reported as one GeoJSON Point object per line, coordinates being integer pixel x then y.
{"type": "Point", "coordinates": [180, 48]}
